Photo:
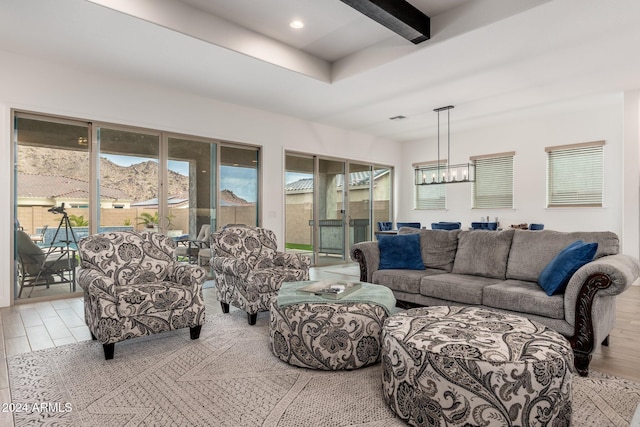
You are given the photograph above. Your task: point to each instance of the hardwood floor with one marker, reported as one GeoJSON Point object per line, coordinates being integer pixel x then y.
{"type": "Point", "coordinates": [40, 325]}
{"type": "Point", "coordinates": [622, 357]}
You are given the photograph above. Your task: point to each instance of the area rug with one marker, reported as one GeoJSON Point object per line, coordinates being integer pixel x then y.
{"type": "Point", "coordinates": [229, 377]}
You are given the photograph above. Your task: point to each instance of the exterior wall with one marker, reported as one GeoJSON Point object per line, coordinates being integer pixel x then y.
{"type": "Point", "coordinates": [298, 215]}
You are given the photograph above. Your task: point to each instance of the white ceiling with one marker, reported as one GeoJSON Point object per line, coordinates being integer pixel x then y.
{"type": "Point", "coordinates": [492, 59]}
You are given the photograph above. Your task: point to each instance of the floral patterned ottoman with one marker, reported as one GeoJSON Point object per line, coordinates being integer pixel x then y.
{"type": "Point", "coordinates": [468, 366]}
{"type": "Point", "coordinates": [313, 332]}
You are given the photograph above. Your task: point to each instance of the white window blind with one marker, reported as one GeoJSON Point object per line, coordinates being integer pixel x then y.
{"type": "Point", "coordinates": [575, 175]}
{"type": "Point", "coordinates": [430, 196]}
{"type": "Point", "coordinates": [493, 187]}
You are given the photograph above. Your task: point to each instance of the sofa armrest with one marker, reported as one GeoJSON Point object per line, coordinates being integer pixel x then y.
{"type": "Point", "coordinates": [88, 276]}
{"type": "Point", "coordinates": [622, 271]}
{"type": "Point", "coordinates": [367, 254]}
{"type": "Point", "coordinates": [589, 302]}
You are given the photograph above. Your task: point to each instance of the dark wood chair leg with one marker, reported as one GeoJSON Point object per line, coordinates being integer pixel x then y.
{"type": "Point", "coordinates": [225, 307]}
{"type": "Point", "coordinates": [252, 318]}
{"type": "Point", "coordinates": [195, 332]}
{"type": "Point", "coordinates": [108, 351]}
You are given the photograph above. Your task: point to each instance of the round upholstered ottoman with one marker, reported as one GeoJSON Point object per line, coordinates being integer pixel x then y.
{"type": "Point", "coordinates": [470, 366]}
{"type": "Point", "coordinates": [313, 332]}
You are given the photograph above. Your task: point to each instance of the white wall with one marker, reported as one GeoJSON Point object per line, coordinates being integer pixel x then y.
{"type": "Point", "coordinates": [593, 119]}
{"type": "Point", "coordinates": [33, 85]}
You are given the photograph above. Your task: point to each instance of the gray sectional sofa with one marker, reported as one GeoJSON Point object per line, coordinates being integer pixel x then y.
{"type": "Point", "coordinates": [500, 270]}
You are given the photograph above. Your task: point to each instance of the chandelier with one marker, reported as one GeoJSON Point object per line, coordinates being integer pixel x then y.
{"type": "Point", "coordinates": [444, 173]}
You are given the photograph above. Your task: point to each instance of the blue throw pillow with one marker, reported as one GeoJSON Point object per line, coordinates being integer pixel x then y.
{"type": "Point", "coordinates": [400, 252]}
{"type": "Point", "coordinates": [556, 274]}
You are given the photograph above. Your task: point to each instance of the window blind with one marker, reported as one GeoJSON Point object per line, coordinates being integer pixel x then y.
{"type": "Point", "coordinates": [493, 187]}
{"type": "Point", "coordinates": [575, 175]}
{"type": "Point", "coordinates": [430, 196]}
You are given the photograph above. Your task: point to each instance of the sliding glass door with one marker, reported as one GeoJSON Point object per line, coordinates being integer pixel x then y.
{"type": "Point", "coordinates": [129, 177]}
{"type": "Point", "coordinates": [74, 178]}
{"type": "Point", "coordinates": [330, 204]}
{"type": "Point", "coordinates": [51, 202]}
{"type": "Point", "coordinates": [192, 181]}
{"type": "Point", "coordinates": [360, 206]}
{"type": "Point", "coordinates": [381, 193]}
{"type": "Point", "coordinates": [299, 183]}
{"type": "Point", "coordinates": [331, 211]}
{"type": "Point", "coordinates": [239, 186]}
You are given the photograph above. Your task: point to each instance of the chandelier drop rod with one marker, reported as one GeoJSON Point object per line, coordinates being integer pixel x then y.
{"type": "Point", "coordinates": [437, 110]}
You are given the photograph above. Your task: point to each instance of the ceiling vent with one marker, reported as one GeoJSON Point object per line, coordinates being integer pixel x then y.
{"type": "Point", "coordinates": [397, 15]}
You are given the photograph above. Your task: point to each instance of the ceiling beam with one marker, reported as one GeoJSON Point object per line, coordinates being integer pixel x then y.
{"type": "Point", "coordinates": [397, 15]}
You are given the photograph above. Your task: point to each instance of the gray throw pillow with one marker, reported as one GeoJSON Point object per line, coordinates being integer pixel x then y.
{"type": "Point", "coordinates": [483, 253]}
{"type": "Point", "coordinates": [438, 247]}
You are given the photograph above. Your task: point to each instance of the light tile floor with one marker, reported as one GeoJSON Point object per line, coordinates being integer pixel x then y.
{"type": "Point", "coordinates": [39, 325]}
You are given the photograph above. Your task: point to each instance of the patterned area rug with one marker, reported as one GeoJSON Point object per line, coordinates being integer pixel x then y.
{"type": "Point", "coordinates": [229, 377]}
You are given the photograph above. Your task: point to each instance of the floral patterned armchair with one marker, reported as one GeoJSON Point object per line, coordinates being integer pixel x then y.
{"type": "Point", "coordinates": [248, 268]}
{"type": "Point", "coordinates": [133, 286]}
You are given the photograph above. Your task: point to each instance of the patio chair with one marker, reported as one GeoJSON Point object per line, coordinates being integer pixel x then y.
{"type": "Point", "coordinates": [190, 248]}
{"type": "Point", "coordinates": [38, 268]}
{"type": "Point", "coordinates": [39, 237]}
{"type": "Point", "coordinates": [134, 286]}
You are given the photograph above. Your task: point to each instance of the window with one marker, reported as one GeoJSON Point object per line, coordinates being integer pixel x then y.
{"type": "Point", "coordinates": [493, 187]}
{"type": "Point", "coordinates": [113, 178]}
{"type": "Point", "coordinates": [575, 175]}
{"type": "Point", "coordinates": [429, 196]}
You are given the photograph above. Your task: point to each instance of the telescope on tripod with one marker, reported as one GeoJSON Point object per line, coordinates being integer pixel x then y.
{"type": "Point", "coordinates": [68, 229]}
{"type": "Point", "coordinates": [60, 250]}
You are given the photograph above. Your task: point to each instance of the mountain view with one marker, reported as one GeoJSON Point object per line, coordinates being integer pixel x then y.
{"type": "Point", "coordinates": [139, 180]}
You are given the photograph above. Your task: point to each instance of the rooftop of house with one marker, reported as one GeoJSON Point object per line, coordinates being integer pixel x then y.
{"type": "Point", "coordinates": [54, 186]}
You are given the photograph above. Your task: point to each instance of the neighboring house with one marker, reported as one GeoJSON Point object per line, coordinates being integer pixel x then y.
{"type": "Point", "coordinates": [53, 190]}
{"type": "Point", "coordinates": [301, 191]}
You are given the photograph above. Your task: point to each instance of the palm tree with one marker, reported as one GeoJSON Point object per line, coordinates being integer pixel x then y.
{"type": "Point", "coordinates": [148, 220]}
{"type": "Point", "coordinates": [78, 221]}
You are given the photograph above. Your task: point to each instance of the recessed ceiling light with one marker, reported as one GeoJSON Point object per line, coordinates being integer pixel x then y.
{"type": "Point", "coordinates": [296, 24]}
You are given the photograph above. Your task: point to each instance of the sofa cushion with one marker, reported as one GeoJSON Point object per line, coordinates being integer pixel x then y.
{"type": "Point", "coordinates": [531, 251]}
{"type": "Point", "coordinates": [483, 253]}
{"type": "Point", "coordinates": [438, 247]}
{"type": "Point", "coordinates": [556, 274]}
{"type": "Point", "coordinates": [402, 280]}
{"type": "Point", "coordinates": [524, 297]}
{"type": "Point", "coordinates": [400, 252]}
{"type": "Point", "coordinates": [455, 287]}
